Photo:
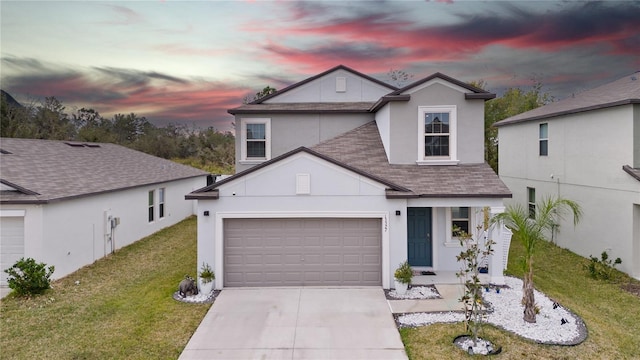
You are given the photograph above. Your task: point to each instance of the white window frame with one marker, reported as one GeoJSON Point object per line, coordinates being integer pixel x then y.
{"type": "Point", "coordinates": [452, 159]}
{"type": "Point", "coordinates": [454, 241]}
{"type": "Point", "coordinates": [243, 139]}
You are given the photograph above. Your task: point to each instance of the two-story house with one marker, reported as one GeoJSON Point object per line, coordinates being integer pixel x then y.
{"type": "Point", "coordinates": [585, 148]}
{"type": "Point", "coordinates": [342, 177]}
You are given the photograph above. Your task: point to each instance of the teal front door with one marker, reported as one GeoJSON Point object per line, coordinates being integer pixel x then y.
{"type": "Point", "coordinates": [419, 236]}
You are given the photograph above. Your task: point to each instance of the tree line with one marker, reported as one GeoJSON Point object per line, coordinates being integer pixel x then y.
{"type": "Point", "coordinates": [208, 149]}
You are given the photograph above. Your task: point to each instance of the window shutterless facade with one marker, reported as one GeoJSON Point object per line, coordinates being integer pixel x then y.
{"type": "Point", "coordinates": [437, 135]}
{"type": "Point", "coordinates": [543, 138]}
{"type": "Point", "coordinates": [256, 139]}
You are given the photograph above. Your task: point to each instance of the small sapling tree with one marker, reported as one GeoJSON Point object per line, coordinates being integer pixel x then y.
{"type": "Point", "coordinates": [471, 256]}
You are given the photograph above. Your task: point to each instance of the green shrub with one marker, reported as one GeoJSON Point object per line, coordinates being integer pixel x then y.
{"type": "Point", "coordinates": [603, 268]}
{"type": "Point", "coordinates": [403, 273]}
{"type": "Point", "coordinates": [26, 277]}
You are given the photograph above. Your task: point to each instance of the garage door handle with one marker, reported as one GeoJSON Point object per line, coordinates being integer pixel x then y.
{"type": "Point", "coordinates": [301, 258]}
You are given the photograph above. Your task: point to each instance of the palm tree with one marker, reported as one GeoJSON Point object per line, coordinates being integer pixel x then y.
{"type": "Point", "coordinates": [529, 230]}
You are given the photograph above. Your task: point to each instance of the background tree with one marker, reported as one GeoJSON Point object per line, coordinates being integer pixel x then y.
{"type": "Point", "coordinates": [529, 231]}
{"type": "Point", "coordinates": [15, 119]}
{"type": "Point", "coordinates": [514, 101]}
{"type": "Point", "coordinates": [51, 122]}
{"type": "Point", "coordinates": [398, 77]}
{"type": "Point", "coordinates": [267, 90]}
{"type": "Point", "coordinates": [207, 149]}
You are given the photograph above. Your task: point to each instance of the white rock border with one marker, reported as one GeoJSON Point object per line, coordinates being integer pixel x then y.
{"type": "Point", "coordinates": [506, 313]}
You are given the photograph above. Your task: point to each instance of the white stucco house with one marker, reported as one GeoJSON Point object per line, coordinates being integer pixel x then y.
{"type": "Point", "coordinates": [585, 148]}
{"type": "Point", "coordinates": [341, 177]}
{"type": "Point", "coordinates": [68, 204]}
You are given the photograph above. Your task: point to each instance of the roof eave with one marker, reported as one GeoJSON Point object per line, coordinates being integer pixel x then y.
{"type": "Point", "coordinates": [208, 195]}
{"type": "Point", "coordinates": [507, 121]}
{"type": "Point", "coordinates": [293, 111]}
{"type": "Point", "coordinates": [387, 99]}
{"type": "Point", "coordinates": [629, 170]}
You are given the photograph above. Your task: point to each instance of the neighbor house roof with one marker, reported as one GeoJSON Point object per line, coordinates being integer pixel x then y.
{"type": "Point", "coordinates": [42, 171]}
{"type": "Point", "coordinates": [623, 91]}
{"type": "Point", "coordinates": [362, 149]}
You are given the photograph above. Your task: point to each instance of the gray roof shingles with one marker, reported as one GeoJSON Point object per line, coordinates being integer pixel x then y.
{"type": "Point", "coordinates": [620, 92]}
{"type": "Point", "coordinates": [55, 170]}
{"type": "Point", "coordinates": [362, 149]}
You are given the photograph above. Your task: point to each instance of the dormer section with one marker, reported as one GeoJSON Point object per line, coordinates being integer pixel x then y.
{"type": "Point", "coordinates": [435, 121]}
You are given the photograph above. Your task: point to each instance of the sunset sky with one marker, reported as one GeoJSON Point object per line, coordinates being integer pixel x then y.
{"type": "Point", "coordinates": [187, 62]}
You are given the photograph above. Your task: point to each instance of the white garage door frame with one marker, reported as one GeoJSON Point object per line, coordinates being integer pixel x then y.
{"type": "Point", "coordinates": [13, 214]}
{"type": "Point", "coordinates": [221, 216]}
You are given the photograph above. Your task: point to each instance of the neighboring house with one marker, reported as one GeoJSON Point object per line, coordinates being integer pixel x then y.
{"type": "Point", "coordinates": [342, 177]}
{"type": "Point", "coordinates": [585, 148]}
{"type": "Point", "coordinates": [68, 204]}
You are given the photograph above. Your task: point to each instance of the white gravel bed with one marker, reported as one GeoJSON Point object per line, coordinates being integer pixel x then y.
{"type": "Point", "coordinates": [508, 312]}
{"type": "Point", "coordinates": [417, 292]}
{"type": "Point", "coordinates": [201, 298]}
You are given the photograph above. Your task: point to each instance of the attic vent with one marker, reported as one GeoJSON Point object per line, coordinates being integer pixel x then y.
{"type": "Point", "coordinates": [341, 84]}
{"type": "Point", "coordinates": [3, 151]}
{"type": "Point", "coordinates": [75, 144]}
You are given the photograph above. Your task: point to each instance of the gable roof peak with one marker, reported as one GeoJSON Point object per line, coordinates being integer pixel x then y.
{"type": "Point", "coordinates": [314, 77]}
{"type": "Point", "coordinates": [476, 90]}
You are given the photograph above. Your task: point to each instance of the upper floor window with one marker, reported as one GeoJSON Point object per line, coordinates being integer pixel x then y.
{"type": "Point", "coordinates": [437, 135]}
{"type": "Point", "coordinates": [151, 202]}
{"type": "Point", "coordinates": [531, 200]}
{"type": "Point", "coordinates": [544, 139]}
{"type": "Point", "coordinates": [256, 139]}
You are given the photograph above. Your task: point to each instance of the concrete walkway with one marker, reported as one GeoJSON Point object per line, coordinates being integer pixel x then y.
{"type": "Point", "coordinates": [449, 301]}
{"type": "Point", "coordinates": [297, 323]}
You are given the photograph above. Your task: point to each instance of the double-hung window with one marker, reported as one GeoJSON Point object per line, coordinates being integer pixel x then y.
{"type": "Point", "coordinates": [256, 139]}
{"type": "Point", "coordinates": [460, 221]}
{"type": "Point", "coordinates": [437, 135]}
{"type": "Point", "coordinates": [544, 139]}
{"type": "Point", "coordinates": [151, 202]}
{"type": "Point", "coordinates": [531, 201]}
{"type": "Point", "coordinates": [160, 203]}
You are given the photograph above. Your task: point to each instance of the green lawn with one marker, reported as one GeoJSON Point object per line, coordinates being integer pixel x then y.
{"type": "Point", "coordinates": [612, 315]}
{"type": "Point", "coordinates": [122, 307]}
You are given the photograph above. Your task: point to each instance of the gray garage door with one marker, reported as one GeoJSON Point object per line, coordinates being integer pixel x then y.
{"type": "Point", "coordinates": [11, 244]}
{"type": "Point", "coordinates": [299, 252]}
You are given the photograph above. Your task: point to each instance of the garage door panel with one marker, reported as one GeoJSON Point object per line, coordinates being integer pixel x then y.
{"type": "Point", "coordinates": [294, 252]}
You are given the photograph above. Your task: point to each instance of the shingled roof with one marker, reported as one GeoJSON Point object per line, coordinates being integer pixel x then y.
{"type": "Point", "coordinates": [44, 170]}
{"type": "Point", "coordinates": [362, 149]}
{"type": "Point", "coordinates": [620, 92]}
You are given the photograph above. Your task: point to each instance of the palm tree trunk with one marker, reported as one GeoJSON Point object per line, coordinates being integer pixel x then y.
{"type": "Point", "coordinates": [527, 296]}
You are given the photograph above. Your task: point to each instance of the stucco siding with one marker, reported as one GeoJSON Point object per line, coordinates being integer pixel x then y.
{"type": "Point", "coordinates": [586, 152]}
{"type": "Point", "coordinates": [405, 127]}
{"type": "Point", "coordinates": [290, 131]}
{"type": "Point", "coordinates": [70, 234]}
{"type": "Point", "coordinates": [323, 89]}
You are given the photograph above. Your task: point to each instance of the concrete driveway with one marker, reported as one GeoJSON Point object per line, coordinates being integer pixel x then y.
{"type": "Point", "coordinates": [297, 323]}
